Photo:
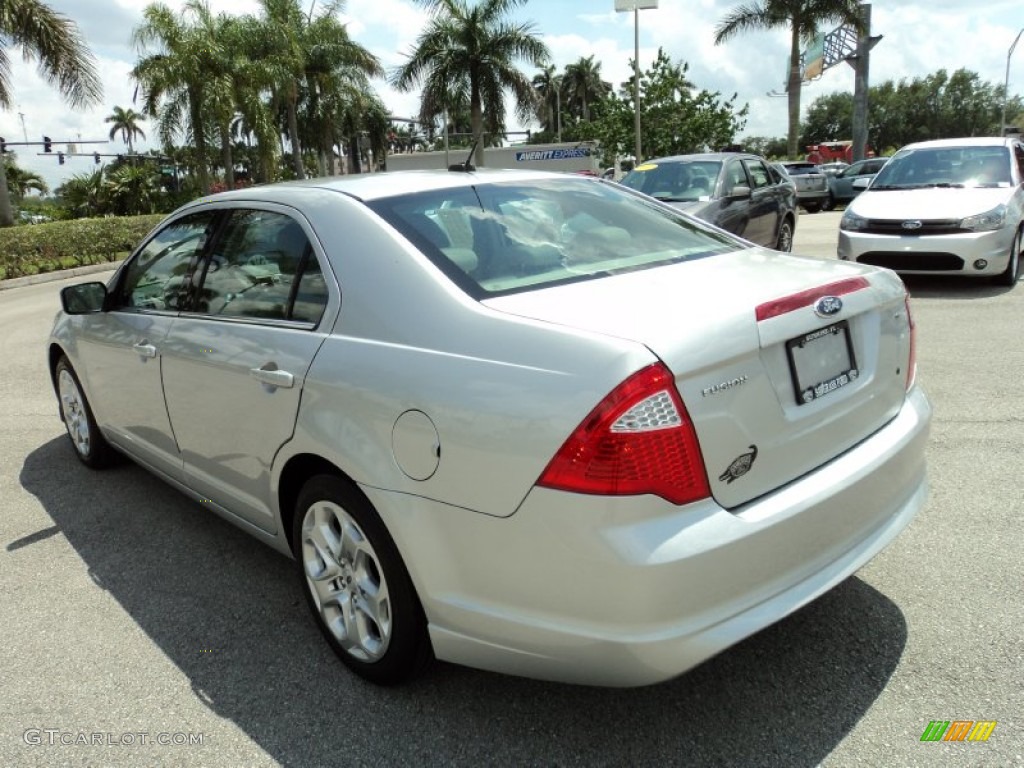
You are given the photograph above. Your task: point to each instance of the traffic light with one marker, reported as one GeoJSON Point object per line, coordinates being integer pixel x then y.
{"type": "Point", "coordinates": [60, 158]}
{"type": "Point", "coordinates": [3, 145]}
{"type": "Point", "coordinates": [96, 157]}
{"type": "Point", "coordinates": [47, 144]}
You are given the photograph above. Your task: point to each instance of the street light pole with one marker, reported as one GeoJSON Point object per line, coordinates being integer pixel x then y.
{"type": "Point", "coordinates": [636, 6]}
{"type": "Point", "coordinates": [1006, 83]}
{"type": "Point", "coordinates": [636, 81]}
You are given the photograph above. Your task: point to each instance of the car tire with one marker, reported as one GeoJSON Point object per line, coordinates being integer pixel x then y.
{"type": "Point", "coordinates": [784, 242]}
{"type": "Point", "coordinates": [356, 584]}
{"type": "Point", "coordinates": [1012, 274]}
{"type": "Point", "coordinates": [812, 207]}
{"type": "Point", "coordinates": [829, 204]}
{"type": "Point", "coordinates": [90, 446]}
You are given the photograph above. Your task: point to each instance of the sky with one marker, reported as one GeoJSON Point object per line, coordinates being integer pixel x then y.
{"type": "Point", "coordinates": [919, 38]}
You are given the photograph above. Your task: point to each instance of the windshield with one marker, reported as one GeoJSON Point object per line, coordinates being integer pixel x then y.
{"type": "Point", "coordinates": [507, 237]}
{"type": "Point", "coordinates": [945, 167]}
{"type": "Point", "coordinates": [677, 181]}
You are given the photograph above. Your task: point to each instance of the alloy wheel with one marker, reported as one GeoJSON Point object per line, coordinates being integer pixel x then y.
{"type": "Point", "coordinates": [75, 417]}
{"type": "Point", "coordinates": [346, 581]}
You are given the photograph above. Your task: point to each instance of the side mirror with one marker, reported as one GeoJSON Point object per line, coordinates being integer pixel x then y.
{"type": "Point", "coordinates": [741, 192]}
{"type": "Point", "coordinates": [84, 298]}
{"type": "Point", "coordinates": [862, 182]}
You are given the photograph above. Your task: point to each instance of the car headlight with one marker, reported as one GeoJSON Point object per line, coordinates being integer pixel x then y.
{"type": "Point", "coordinates": [986, 222]}
{"type": "Point", "coordinates": [851, 222]}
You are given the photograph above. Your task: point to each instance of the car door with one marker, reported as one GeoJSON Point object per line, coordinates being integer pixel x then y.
{"type": "Point", "coordinates": [764, 204]}
{"type": "Point", "coordinates": [236, 360]}
{"type": "Point", "coordinates": [121, 349]}
{"type": "Point", "coordinates": [734, 213]}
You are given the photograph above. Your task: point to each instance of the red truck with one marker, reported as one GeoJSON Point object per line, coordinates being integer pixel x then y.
{"type": "Point", "coordinates": [832, 151]}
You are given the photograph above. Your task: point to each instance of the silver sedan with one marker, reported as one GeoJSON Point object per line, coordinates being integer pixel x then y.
{"type": "Point", "coordinates": [529, 422]}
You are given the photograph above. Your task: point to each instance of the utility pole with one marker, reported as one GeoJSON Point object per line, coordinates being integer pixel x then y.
{"type": "Point", "coordinates": [24, 130]}
{"type": "Point", "coordinates": [1006, 84]}
{"type": "Point", "coordinates": [860, 62]}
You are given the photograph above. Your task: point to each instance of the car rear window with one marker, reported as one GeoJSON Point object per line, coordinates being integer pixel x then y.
{"type": "Point", "coordinates": [801, 169]}
{"type": "Point", "coordinates": [499, 238]}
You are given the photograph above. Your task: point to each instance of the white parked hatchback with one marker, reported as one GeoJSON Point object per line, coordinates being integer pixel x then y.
{"type": "Point", "coordinates": [952, 206]}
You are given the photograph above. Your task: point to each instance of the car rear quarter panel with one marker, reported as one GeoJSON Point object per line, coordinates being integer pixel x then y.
{"type": "Point", "coordinates": [503, 393]}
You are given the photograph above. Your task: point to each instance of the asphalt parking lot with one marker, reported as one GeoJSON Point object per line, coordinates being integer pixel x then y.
{"type": "Point", "coordinates": [141, 630]}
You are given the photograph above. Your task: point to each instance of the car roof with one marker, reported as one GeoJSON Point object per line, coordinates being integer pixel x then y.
{"type": "Point", "coordinates": [968, 141]}
{"type": "Point", "coordinates": [374, 186]}
{"type": "Point", "coordinates": [701, 156]}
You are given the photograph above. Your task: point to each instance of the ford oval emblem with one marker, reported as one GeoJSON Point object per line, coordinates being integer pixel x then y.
{"type": "Point", "coordinates": [827, 306]}
{"type": "Point", "coordinates": [912, 224]}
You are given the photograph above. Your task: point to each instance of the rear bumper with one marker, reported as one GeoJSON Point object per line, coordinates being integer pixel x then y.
{"type": "Point", "coordinates": [633, 591]}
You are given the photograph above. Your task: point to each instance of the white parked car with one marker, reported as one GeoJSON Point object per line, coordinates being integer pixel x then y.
{"type": "Point", "coordinates": [952, 206]}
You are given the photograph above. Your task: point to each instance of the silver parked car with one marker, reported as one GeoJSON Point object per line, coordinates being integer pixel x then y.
{"type": "Point", "coordinates": [811, 184]}
{"type": "Point", "coordinates": [944, 207]}
{"type": "Point", "coordinates": [530, 422]}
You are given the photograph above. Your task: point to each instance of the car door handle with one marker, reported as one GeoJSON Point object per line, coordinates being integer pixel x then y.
{"type": "Point", "coordinates": [273, 377]}
{"type": "Point", "coordinates": [144, 349]}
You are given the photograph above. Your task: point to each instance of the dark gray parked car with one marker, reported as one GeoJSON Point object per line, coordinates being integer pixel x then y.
{"type": "Point", "coordinates": [840, 186]}
{"type": "Point", "coordinates": [738, 192]}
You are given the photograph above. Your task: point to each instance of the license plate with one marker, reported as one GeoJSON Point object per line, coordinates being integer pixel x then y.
{"type": "Point", "coordinates": [821, 362]}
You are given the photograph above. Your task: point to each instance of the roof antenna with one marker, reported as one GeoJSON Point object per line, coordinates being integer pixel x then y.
{"type": "Point", "coordinates": [465, 166]}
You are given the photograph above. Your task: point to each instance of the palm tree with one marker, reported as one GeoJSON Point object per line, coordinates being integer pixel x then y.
{"type": "Point", "coordinates": [181, 55]}
{"type": "Point", "coordinates": [133, 189]}
{"type": "Point", "coordinates": [20, 182]}
{"type": "Point", "coordinates": [467, 54]}
{"type": "Point", "coordinates": [804, 18]}
{"type": "Point", "coordinates": [548, 86]}
{"type": "Point", "coordinates": [312, 62]}
{"type": "Point", "coordinates": [126, 123]}
{"type": "Point", "coordinates": [337, 73]}
{"type": "Point", "coordinates": [84, 194]}
{"type": "Point", "coordinates": [582, 86]}
{"type": "Point", "coordinates": [64, 61]}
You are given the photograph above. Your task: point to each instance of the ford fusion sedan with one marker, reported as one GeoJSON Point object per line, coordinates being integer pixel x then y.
{"type": "Point", "coordinates": [946, 207]}
{"type": "Point", "coordinates": [740, 193]}
{"type": "Point", "coordinates": [530, 422]}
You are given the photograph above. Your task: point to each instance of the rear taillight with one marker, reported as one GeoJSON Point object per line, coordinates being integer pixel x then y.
{"type": "Point", "coordinates": [912, 357]}
{"type": "Point", "coordinates": [638, 440]}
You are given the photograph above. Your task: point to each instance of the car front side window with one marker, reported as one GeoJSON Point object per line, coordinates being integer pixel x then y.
{"type": "Point", "coordinates": [159, 276]}
{"type": "Point", "coordinates": [256, 268]}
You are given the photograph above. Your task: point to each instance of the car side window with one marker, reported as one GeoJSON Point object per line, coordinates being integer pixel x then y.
{"type": "Point", "coordinates": [759, 175]}
{"type": "Point", "coordinates": [255, 266]}
{"type": "Point", "coordinates": [159, 276]}
{"type": "Point", "coordinates": [1018, 156]}
{"type": "Point", "coordinates": [734, 176]}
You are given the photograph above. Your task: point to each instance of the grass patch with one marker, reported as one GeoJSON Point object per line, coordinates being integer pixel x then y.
{"type": "Point", "coordinates": [30, 250]}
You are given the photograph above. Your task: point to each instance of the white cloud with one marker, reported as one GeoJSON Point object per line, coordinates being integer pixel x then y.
{"type": "Point", "coordinates": [919, 39]}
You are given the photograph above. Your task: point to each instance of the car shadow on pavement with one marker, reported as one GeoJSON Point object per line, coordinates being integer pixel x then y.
{"type": "Point", "coordinates": [952, 287]}
{"type": "Point", "coordinates": [229, 613]}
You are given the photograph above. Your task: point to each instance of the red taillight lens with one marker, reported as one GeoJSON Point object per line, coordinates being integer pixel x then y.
{"type": "Point", "coordinates": [639, 439]}
{"type": "Point", "coordinates": [912, 357]}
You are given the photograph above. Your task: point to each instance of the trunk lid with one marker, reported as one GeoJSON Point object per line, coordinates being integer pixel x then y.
{"type": "Point", "coordinates": [718, 324]}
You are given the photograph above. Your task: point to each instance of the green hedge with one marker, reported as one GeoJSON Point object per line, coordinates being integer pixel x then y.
{"type": "Point", "coordinates": [30, 249]}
